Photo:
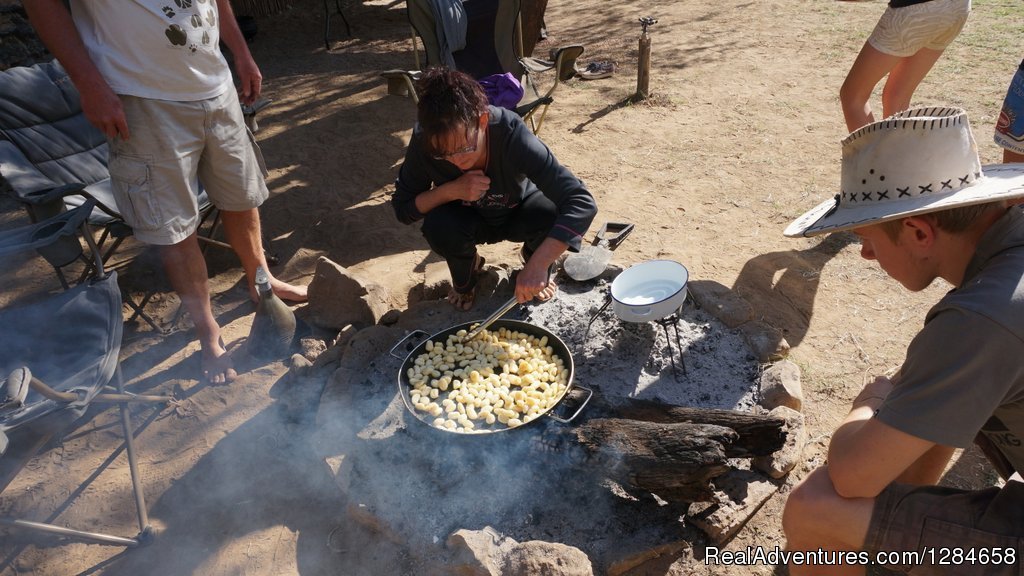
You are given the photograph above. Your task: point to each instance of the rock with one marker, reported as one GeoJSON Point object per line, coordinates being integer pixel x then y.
{"type": "Point", "coordinates": [780, 386]}
{"type": "Point", "coordinates": [390, 317]}
{"type": "Point", "coordinates": [437, 281]}
{"type": "Point", "coordinates": [340, 467]}
{"type": "Point", "coordinates": [478, 552]}
{"type": "Point", "coordinates": [739, 495]}
{"type": "Point", "coordinates": [767, 343]}
{"type": "Point", "coordinates": [300, 362]}
{"type": "Point", "coordinates": [548, 558]}
{"type": "Point", "coordinates": [488, 553]}
{"type": "Point", "coordinates": [337, 298]}
{"type": "Point", "coordinates": [785, 459]}
{"type": "Point", "coordinates": [721, 302]}
{"type": "Point", "coordinates": [312, 348]}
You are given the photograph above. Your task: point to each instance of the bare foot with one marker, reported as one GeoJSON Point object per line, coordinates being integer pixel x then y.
{"type": "Point", "coordinates": [289, 292]}
{"type": "Point", "coordinates": [547, 293]}
{"type": "Point", "coordinates": [284, 291]}
{"type": "Point", "coordinates": [217, 366]}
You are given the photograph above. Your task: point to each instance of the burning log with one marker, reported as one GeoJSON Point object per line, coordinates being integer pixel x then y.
{"type": "Point", "coordinates": [672, 451]}
{"type": "Point", "coordinates": [757, 435]}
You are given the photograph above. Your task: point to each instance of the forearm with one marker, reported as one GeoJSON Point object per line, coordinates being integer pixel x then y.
{"type": "Point", "coordinates": [928, 469]}
{"type": "Point", "coordinates": [443, 194]}
{"type": "Point", "coordinates": [230, 33]}
{"type": "Point", "coordinates": [52, 22]}
{"type": "Point", "coordinates": [546, 254]}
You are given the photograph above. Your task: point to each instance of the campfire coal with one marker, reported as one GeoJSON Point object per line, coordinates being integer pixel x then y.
{"type": "Point", "coordinates": [554, 482]}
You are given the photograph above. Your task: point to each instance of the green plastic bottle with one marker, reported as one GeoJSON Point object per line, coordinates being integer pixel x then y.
{"type": "Point", "coordinates": [273, 326]}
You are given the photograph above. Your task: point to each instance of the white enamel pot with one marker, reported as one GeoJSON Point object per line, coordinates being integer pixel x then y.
{"type": "Point", "coordinates": [649, 291]}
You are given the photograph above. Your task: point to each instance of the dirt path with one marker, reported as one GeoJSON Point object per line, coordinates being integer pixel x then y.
{"type": "Point", "coordinates": [740, 137]}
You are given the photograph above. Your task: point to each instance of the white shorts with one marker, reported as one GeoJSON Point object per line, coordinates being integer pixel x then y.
{"type": "Point", "coordinates": [173, 146]}
{"type": "Point", "coordinates": [933, 25]}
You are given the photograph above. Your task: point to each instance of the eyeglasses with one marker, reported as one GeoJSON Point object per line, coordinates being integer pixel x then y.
{"type": "Point", "coordinates": [470, 147]}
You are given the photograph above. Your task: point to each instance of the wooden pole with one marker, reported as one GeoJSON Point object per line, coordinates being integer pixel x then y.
{"type": "Point", "coordinates": [643, 68]}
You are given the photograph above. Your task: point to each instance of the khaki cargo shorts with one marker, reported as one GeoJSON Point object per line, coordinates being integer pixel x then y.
{"type": "Point", "coordinates": [937, 530]}
{"type": "Point", "coordinates": [155, 175]}
{"type": "Point", "coordinates": [932, 25]}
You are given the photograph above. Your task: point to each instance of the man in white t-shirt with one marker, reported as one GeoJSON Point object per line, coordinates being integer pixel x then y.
{"type": "Point", "coordinates": [152, 77]}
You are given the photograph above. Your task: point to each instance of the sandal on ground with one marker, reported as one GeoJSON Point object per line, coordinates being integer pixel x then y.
{"type": "Point", "coordinates": [552, 286]}
{"type": "Point", "coordinates": [596, 70]}
{"type": "Point", "coordinates": [462, 300]}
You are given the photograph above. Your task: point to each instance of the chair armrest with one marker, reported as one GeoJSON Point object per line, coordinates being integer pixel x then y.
{"type": "Point", "coordinates": [45, 233]}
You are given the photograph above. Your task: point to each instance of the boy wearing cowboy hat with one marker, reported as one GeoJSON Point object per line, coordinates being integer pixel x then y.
{"type": "Point", "coordinates": [915, 193]}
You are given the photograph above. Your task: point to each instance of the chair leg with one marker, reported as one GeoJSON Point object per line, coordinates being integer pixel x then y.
{"type": "Point", "coordinates": [327, 22]}
{"type": "Point", "coordinates": [145, 530]}
{"type": "Point", "coordinates": [129, 444]}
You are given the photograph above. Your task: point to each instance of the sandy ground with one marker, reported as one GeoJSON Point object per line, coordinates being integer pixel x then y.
{"type": "Point", "coordinates": [740, 136]}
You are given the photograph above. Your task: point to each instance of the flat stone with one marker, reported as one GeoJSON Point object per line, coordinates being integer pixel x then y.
{"type": "Point", "coordinates": [391, 317]}
{"type": "Point", "coordinates": [766, 342]}
{"type": "Point", "coordinates": [340, 467]}
{"type": "Point", "coordinates": [337, 297]}
{"type": "Point", "coordinates": [680, 549]}
{"type": "Point", "coordinates": [739, 495]}
{"type": "Point", "coordinates": [437, 280]}
{"type": "Point", "coordinates": [780, 386]}
{"type": "Point", "coordinates": [721, 302]}
{"type": "Point", "coordinates": [786, 458]}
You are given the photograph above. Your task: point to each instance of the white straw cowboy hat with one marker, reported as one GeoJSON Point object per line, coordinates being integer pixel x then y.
{"type": "Point", "coordinates": [918, 161]}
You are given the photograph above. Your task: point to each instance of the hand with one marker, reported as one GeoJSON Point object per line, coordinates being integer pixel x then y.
{"type": "Point", "coordinates": [250, 80]}
{"type": "Point", "coordinates": [471, 186]}
{"type": "Point", "coordinates": [102, 107]}
{"type": "Point", "coordinates": [874, 393]}
{"type": "Point", "coordinates": [531, 280]}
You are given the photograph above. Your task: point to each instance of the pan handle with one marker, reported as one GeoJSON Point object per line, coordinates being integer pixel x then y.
{"type": "Point", "coordinates": [590, 394]}
{"type": "Point", "coordinates": [420, 333]}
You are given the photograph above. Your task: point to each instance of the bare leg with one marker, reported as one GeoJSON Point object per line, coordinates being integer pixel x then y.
{"type": "Point", "coordinates": [855, 95]}
{"type": "Point", "coordinates": [816, 517]}
{"type": "Point", "coordinates": [905, 78]}
{"type": "Point", "coordinates": [186, 269]}
{"type": "Point", "coordinates": [242, 230]}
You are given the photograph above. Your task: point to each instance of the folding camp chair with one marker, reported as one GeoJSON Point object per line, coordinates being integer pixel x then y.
{"type": "Point", "coordinates": [59, 353]}
{"type": "Point", "coordinates": [493, 45]}
{"type": "Point", "coordinates": [53, 159]}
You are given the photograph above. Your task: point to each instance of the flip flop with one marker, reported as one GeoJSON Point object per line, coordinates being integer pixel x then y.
{"type": "Point", "coordinates": [596, 70]}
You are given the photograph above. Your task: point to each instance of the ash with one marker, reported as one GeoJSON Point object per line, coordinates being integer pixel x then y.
{"type": "Point", "coordinates": [531, 483]}
{"type": "Point", "coordinates": [714, 367]}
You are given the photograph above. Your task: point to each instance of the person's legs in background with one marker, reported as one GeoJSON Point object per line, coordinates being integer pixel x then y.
{"type": "Point", "coordinates": [868, 69]}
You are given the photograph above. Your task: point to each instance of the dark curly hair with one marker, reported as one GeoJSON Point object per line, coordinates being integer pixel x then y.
{"type": "Point", "coordinates": [449, 100]}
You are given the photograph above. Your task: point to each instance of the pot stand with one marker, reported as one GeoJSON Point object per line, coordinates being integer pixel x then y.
{"type": "Point", "coordinates": [670, 320]}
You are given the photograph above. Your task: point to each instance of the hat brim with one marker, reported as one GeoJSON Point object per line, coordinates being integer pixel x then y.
{"type": "Point", "coordinates": [999, 182]}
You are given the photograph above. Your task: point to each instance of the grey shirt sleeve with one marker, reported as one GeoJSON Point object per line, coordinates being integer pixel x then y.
{"type": "Point", "coordinates": [958, 370]}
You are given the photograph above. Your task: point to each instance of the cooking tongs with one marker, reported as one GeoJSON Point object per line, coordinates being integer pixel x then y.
{"type": "Point", "coordinates": [490, 319]}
